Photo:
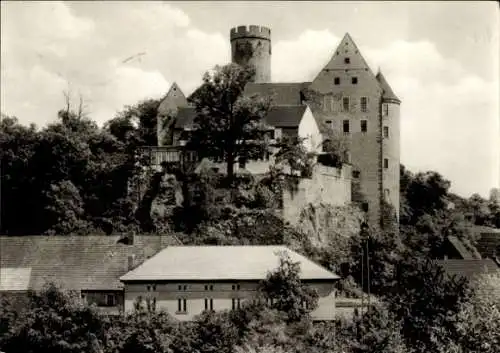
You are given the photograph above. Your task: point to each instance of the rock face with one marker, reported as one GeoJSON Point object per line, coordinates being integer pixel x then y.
{"type": "Point", "coordinates": [169, 197]}
{"type": "Point", "coordinates": [326, 224]}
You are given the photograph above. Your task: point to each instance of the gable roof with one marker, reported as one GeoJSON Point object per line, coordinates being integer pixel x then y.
{"type": "Point", "coordinates": [74, 262]}
{"type": "Point", "coordinates": [221, 263]}
{"type": "Point", "coordinates": [281, 93]}
{"type": "Point", "coordinates": [278, 116]}
{"type": "Point", "coordinates": [345, 64]}
{"type": "Point", "coordinates": [388, 93]}
{"type": "Point", "coordinates": [468, 268]}
{"type": "Point", "coordinates": [174, 99]}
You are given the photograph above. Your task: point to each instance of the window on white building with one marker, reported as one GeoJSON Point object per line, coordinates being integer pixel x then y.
{"type": "Point", "coordinates": [364, 126]}
{"type": "Point", "coordinates": [386, 132]}
{"type": "Point", "coordinates": [236, 303]}
{"type": "Point", "coordinates": [182, 305]}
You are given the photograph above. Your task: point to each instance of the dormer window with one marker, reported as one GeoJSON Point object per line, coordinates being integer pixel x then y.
{"type": "Point", "coordinates": [347, 60]}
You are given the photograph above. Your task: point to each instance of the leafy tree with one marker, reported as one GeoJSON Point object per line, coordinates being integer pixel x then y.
{"type": "Point", "coordinates": [478, 323]}
{"type": "Point", "coordinates": [56, 321]}
{"type": "Point", "coordinates": [426, 301]}
{"type": "Point", "coordinates": [336, 148]}
{"type": "Point", "coordinates": [228, 125]}
{"type": "Point", "coordinates": [293, 154]}
{"type": "Point", "coordinates": [286, 292]}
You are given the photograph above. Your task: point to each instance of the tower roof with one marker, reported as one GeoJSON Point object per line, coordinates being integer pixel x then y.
{"type": "Point", "coordinates": [388, 93]}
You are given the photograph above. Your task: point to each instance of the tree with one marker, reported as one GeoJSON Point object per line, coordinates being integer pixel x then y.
{"type": "Point", "coordinates": [478, 321]}
{"type": "Point", "coordinates": [228, 125]}
{"type": "Point", "coordinates": [292, 153]}
{"type": "Point", "coordinates": [427, 302]}
{"type": "Point", "coordinates": [56, 321]}
{"type": "Point", "coordinates": [284, 289]}
{"type": "Point", "coordinates": [336, 148]}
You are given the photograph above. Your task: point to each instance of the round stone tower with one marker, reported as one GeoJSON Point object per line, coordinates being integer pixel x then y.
{"type": "Point", "coordinates": [252, 46]}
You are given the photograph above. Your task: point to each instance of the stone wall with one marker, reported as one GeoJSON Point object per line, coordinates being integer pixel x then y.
{"type": "Point", "coordinates": [327, 185]}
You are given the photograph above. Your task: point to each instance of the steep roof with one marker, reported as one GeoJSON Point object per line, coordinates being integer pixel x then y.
{"type": "Point", "coordinates": [174, 99]}
{"type": "Point", "coordinates": [278, 116]}
{"type": "Point", "coordinates": [388, 93]}
{"type": "Point", "coordinates": [221, 263]}
{"type": "Point", "coordinates": [75, 262]}
{"type": "Point", "coordinates": [281, 93]}
{"type": "Point", "coordinates": [345, 64]}
{"type": "Point", "coordinates": [468, 268]}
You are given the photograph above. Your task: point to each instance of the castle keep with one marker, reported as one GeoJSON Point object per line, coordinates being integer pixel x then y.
{"type": "Point", "coordinates": [345, 98]}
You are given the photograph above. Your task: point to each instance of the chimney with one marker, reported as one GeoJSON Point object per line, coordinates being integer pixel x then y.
{"type": "Point", "coordinates": [131, 262]}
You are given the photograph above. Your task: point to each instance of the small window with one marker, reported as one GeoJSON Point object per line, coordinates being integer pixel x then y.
{"type": "Point", "coordinates": [347, 60]}
{"type": "Point", "coordinates": [387, 194]}
{"type": "Point", "coordinates": [345, 104]}
{"type": "Point", "coordinates": [356, 174]}
{"type": "Point", "coordinates": [336, 80]}
{"type": "Point", "coordinates": [386, 109]}
{"type": "Point", "coordinates": [236, 287]}
{"type": "Point", "coordinates": [148, 288]}
{"type": "Point", "coordinates": [386, 163]}
{"type": "Point", "coordinates": [364, 126]}
{"type": "Point", "coordinates": [209, 304]}
{"type": "Point", "coordinates": [346, 126]}
{"type": "Point", "coordinates": [386, 132]}
{"type": "Point", "coordinates": [364, 206]}
{"type": "Point", "coordinates": [182, 305]}
{"type": "Point", "coordinates": [182, 287]}
{"type": "Point", "coordinates": [236, 303]}
{"type": "Point", "coordinates": [364, 104]}
{"type": "Point", "coordinates": [354, 80]}
{"type": "Point", "coordinates": [242, 162]}
{"type": "Point", "coordinates": [209, 287]}
{"type": "Point", "coordinates": [271, 134]}
{"type": "Point", "coordinates": [110, 300]}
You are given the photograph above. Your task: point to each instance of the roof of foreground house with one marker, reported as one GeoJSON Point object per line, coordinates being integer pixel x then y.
{"type": "Point", "coordinates": [74, 262]}
{"type": "Point", "coordinates": [186, 263]}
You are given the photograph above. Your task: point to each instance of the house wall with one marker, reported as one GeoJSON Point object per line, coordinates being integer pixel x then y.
{"type": "Point", "coordinates": [309, 131]}
{"type": "Point", "coordinates": [327, 185]}
{"type": "Point", "coordinates": [167, 295]}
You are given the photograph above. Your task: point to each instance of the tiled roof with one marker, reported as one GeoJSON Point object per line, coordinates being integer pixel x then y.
{"type": "Point", "coordinates": [488, 243]}
{"type": "Point", "coordinates": [278, 116]}
{"type": "Point", "coordinates": [221, 263]}
{"type": "Point", "coordinates": [468, 268]}
{"type": "Point", "coordinates": [74, 262]}
{"type": "Point", "coordinates": [388, 93]}
{"type": "Point", "coordinates": [281, 93]}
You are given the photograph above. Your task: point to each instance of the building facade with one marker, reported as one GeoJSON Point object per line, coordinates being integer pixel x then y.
{"type": "Point", "coordinates": [187, 280]}
{"type": "Point", "coordinates": [345, 98]}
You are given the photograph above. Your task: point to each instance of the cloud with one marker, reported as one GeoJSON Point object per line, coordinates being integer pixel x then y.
{"type": "Point", "coordinates": [88, 55]}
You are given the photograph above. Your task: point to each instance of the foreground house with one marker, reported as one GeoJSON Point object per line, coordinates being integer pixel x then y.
{"type": "Point", "coordinates": [186, 280]}
{"type": "Point", "coordinates": [89, 265]}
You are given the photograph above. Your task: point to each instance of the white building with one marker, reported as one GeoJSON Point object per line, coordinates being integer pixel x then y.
{"type": "Point", "coordinates": [186, 280]}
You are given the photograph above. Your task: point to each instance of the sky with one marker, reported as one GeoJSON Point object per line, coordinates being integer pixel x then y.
{"type": "Point", "coordinates": [440, 58]}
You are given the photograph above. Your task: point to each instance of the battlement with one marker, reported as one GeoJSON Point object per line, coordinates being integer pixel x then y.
{"type": "Point", "coordinates": [250, 32]}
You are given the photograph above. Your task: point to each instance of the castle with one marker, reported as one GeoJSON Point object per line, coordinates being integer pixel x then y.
{"type": "Point", "coordinates": [345, 97]}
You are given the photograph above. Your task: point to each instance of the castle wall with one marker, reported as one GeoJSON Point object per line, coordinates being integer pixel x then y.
{"type": "Point", "coordinates": [252, 46]}
{"type": "Point", "coordinates": [328, 185]}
